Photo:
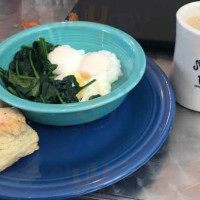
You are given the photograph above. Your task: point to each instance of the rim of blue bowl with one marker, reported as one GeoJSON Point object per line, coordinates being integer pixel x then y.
{"type": "Point", "coordinates": [126, 87]}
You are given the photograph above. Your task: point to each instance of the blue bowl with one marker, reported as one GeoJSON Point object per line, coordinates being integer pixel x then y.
{"type": "Point", "coordinates": [80, 35]}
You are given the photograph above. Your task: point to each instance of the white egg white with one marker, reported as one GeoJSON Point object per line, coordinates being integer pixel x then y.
{"type": "Point", "coordinates": [102, 66]}
{"type": "Point", "coordinates": [67, 59]}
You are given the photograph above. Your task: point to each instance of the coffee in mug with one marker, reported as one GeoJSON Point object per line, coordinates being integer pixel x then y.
{"type": "Point", "coordinates": [194, 22]}
{"type": "Point", "coordinates": [185, 76]}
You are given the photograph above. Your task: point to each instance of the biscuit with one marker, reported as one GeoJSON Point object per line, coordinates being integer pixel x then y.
{"type": "Point", "coordinates": [17, 139]}
{"type": "Point", "coordinates": [11, 121]}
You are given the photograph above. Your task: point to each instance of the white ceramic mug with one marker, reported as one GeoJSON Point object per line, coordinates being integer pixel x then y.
{"type": "Point", "coordinates": [186, 73]}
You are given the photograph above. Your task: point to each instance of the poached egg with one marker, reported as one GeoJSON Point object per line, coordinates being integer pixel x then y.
{"type": "Point", "coordinates": [102, 66]}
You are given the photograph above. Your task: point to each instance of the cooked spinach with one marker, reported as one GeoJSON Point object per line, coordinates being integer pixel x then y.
{"type": "Point", "coordinates": [30, 76]}
{"type": "Point", "coordinates": [2, 73]}
{"type": "Point", "coordinates": [68, 88]}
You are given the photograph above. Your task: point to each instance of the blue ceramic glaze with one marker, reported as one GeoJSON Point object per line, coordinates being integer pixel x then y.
{"type": "Point", "coordinates": [80, 35]}
{"type": "Point", "coordinates": [80, 159]}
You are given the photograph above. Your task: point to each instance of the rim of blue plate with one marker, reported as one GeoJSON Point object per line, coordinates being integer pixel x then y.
{"type": "Point", "coordinates": [126, 87]}
{"type": "Point", "coordinates": [154, 143]}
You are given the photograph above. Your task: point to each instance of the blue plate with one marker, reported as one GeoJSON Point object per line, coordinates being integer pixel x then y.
{"type": "Point", "coordinates": [76, 160]}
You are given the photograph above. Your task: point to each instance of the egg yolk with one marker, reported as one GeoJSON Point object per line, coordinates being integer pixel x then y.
{"type": "Point", "coordinates": [81, 82]}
